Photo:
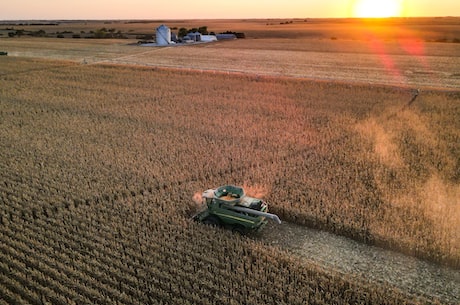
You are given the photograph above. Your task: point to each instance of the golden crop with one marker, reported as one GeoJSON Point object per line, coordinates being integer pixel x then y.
{"type": "Point", "coordinates": [99, 164]}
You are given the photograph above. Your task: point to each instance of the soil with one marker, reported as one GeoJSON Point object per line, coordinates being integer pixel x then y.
{"type": "Point", "coordinates": [411, 275]}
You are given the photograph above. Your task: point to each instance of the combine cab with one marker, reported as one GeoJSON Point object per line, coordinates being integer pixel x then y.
{"type": "Point", "coordinates": [230, 207]}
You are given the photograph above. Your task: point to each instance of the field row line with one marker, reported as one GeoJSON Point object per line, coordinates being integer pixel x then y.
{"type": "Point", "coordinates": [13, 285]}
{"type": "Point", "coordinates": [112, 257]}
{"type": "Point", "coordinates": [36, 275]}
{"type": "Point", "coordinates": [55, 260]}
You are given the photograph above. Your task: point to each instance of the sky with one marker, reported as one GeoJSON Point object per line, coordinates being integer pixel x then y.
{"type": "Point", "coordinates": [234, 9]}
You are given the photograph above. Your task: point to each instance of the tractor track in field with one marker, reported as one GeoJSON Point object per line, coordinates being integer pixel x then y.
{"type": "Point", "coordinates": [349, 257]}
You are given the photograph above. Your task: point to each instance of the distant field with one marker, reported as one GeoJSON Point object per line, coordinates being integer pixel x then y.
{"type": "Point", "coordinates": [401, 52]}
{"type": "Point", "coordinates": [425, 29]}
{"type": "Point", "coordinates": [104, 143]}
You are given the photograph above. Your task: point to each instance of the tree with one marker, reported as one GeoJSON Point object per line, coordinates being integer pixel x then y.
{"type": "Point", "coordinates": [203, 30]}
{"type": "Point", "coordinates": [19, 33]}
{"type": "Point", "coordinates": [102, 33]}
{"type": "Point", "coordinates": [182, 32]}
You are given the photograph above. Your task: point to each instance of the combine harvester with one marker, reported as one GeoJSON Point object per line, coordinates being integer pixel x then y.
{"type": "Point", "coordinates": [228, 206]}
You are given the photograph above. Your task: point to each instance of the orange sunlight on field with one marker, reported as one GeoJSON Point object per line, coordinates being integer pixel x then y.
{"type": "Point", "coordinates": [411, 44]}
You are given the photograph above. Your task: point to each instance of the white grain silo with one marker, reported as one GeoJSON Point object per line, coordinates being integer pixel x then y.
{"type": "Point", "coordinates": [163, 35]}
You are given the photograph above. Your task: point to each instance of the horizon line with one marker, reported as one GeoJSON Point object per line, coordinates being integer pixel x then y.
{"type": "Point", "coordinates": [233, 18]}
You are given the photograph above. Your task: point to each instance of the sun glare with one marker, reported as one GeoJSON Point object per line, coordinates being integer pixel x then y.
{"type": "Point", "coordinates": [377, 8]}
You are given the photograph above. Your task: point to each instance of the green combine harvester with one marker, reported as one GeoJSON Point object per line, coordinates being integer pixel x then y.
{"type": "Point", "coordinates": [228, 206]}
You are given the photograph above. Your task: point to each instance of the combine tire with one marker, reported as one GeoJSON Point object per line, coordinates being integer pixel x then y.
{"type": "Point", "coordinates": [211, 221]}
{"type": "Point", "coordinates": [239, 230]}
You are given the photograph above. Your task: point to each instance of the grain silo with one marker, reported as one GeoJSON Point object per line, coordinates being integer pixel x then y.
{"type": "Point", "coordinates": [163, 35]}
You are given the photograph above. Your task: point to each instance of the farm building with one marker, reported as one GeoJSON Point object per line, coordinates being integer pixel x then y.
{"type": "Point", "coordinates": [225, 36]}
{"type": "Point", "coordinates": [163, 35]}
{"type": "Point", "coordinates": [208, 38]}
{"type": "Point", "coordinates": [194, 36]}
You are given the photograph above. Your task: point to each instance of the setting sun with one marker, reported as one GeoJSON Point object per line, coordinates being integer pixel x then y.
{"type": "Point", "coordinates": [377, 8]}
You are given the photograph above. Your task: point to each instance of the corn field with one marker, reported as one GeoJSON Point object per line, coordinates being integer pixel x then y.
{"type": "Point", "coordinates": [99, 164]}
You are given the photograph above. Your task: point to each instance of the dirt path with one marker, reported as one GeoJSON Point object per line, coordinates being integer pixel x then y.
{"type": "Point", "coordinates": [347, 256]}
